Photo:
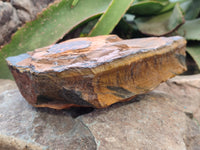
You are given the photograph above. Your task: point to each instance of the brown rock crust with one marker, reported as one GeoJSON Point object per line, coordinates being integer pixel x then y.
{"type": "Point", "coordinates": [96, 71]}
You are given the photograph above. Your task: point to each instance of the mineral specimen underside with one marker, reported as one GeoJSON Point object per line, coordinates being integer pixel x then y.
{"type": "Point", "coordinates": [96, 71]}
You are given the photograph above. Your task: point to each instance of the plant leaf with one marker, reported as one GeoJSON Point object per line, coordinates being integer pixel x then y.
{"type": "Point", "coordinates": [49, 27]}
{"type": "Point", "coordinates": [74, 3]}
{"type": "Point", "coordinates": [161, 24]}
{"type": "Point", "coordinates": [190, 30]}
{"type": "Point", "coordinates": [167, 7]}
{"type": "Point", "coordinates": [146, 8]}
{"type": "Point", "coordinates": [111, 17]}
{"type": "Point", "coordinates": [194, 51]}
{"type": "Point", "coordinates": [191, 9]}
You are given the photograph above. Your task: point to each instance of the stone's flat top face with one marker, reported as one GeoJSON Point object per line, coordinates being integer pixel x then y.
{"type": "Point", "coordinates": [87, 52]}
{"type": "Point", "coordinates": [17, 59]}
{"type": "Point", "coordinates": [63, 47]}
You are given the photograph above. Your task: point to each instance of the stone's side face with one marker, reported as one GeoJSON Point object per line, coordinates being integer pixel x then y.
{"type": "Point", "coordinates": [96, 71]}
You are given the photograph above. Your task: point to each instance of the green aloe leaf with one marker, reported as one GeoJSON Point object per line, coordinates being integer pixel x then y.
{"type": "Point", "coordinates": [194, 51]}
{"type": "Point", "coordinates": [191, 9]}
{"type": "Point", "coordinates": [163, 1]}
{"type": "Point", "coordinates": [167, 7]}
{"type": "Point", "coordinates": [49, 27]}
{"type": "Point", "coordinates": [111, 17]}
{"type": "Point", "coordinates": [161, 24]}
{"type": "Point", "coordinates": [190, 30]}
{"type": "Point", "coordinates": [146, 8]}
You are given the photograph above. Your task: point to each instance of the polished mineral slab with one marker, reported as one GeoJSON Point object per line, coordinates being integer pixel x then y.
{"type": "Point", "coordinates": [96, 71]}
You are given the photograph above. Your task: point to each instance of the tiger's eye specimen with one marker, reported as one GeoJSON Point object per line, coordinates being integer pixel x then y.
{"type": "Point", "coordinates": [96, 71]}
